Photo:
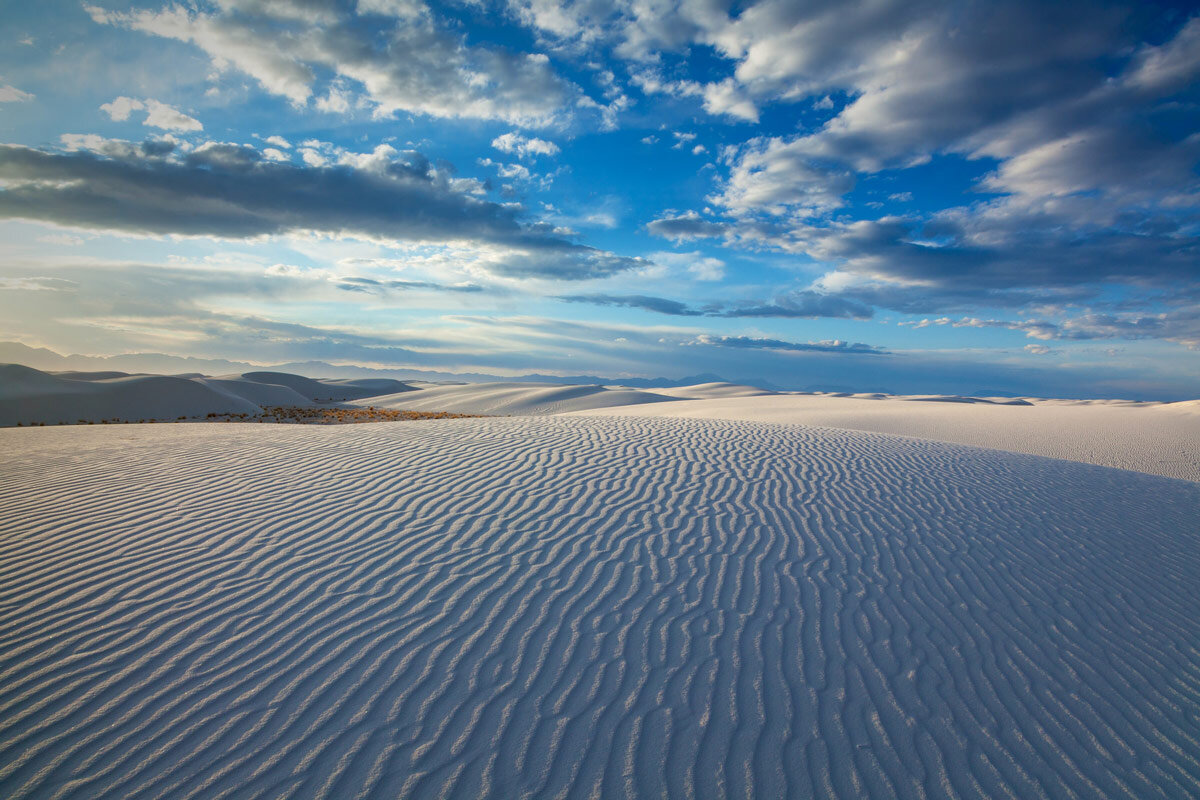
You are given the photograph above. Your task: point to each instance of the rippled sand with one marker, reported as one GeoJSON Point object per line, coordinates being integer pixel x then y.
{"type": "Point", "coordinates": [578, 607]}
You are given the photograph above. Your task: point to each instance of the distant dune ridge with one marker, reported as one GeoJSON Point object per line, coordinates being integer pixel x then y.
{"type": "Point", "coordinates": [29, 396]}
{"type": "Point", "coordinates": [1157, 438]}
{"type": "Point", "coordinates": [584, 606]}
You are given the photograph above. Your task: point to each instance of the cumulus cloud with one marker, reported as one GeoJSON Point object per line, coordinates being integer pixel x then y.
{"type": "Point", "coordinates": [232, 191]}
{"type": "Point", "coordinates": [1098, 185]}
{"type": "Point", "coordinates": [285, 44]}
{"type": "Point", "coordinates": [522, 146]}
{"type": "Point", "coordinates": [158, 115]}
{"type": "Point", "coordinates": [719, 98]}
{"type": "Point", "coordinates": [778, 177]}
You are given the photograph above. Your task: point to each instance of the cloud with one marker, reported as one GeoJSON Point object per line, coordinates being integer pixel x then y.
{"type": "Point", "coordinates": [231, 191]}
{"type": "Point", "coordinates": [1038, 349]}
{"type": "Point", "coordinates": [286, 45]}
{"type": "Point", "coordinates": [158, 115]}
{"type": "Point", "coordinates": [801, 304]}
{"type": "Point", "coordinates": [779, 177]}
{"type": "Point", "coordinates": [1068, 104]}
{"type": "Point", "coordinates": [697, 265]}
{"type": "Point", "coordinates": [804, 304]}
{"type": "Point", "coordinates": [522, 146]}
{"type": "Point", "coordinates": [38, 284]}
{"type": "Point", "coordinates": [374, 286]}
{"type": "Point", "coordinates": [686, 226]}
{"type": "Point", "coordinates": [660, 305]}
{"type": "Point", "coordinates": [1181, 325]}
{"type": "Point", "coordinates": [752, 343]}
{"type": "Point", "coordinates": [11, 94]}
{"type": "Point", "coordinates": [719, 98]}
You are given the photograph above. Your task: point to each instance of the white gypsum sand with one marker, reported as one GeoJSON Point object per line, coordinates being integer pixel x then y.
{"type": "Point", "coordinates": [1157, 438]}
{"type": "Point", "coordinates": [573, 607]}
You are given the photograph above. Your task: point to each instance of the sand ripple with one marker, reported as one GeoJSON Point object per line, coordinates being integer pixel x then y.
{"type": "Point", "coordinates": [559, 607]}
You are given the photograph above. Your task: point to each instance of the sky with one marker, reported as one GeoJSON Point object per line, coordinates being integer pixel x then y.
{"type": "Point", "coordinates": [879, 196]}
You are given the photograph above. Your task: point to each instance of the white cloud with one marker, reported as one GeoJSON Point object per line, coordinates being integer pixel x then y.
{"type": "Point", "coordinates": [722, 97]}
{"type": "Point", "coordinates": [400, 9]}
{"type": "Point", "coordinates": [779, 177]}
{"type": "Point", "coordinates": [11, 94]}
{"type": "Point", "coordinates": [158, 115]}
{"type": "Point", "coordinates": [119, 110]}
{"type": "Point", "coordinates": [279, 141]}
{"type": "Point", "coordinates": [284, 44]}
{"type": "Point", "coordinates": [313, 158]}
{"type": "Point", "coordinates": [161, 115]}
{"type": "Point", "coordinates": [698, 265]}
{"type": "Point", "coordinates": [522, 146]}
{"type": "Point", "coordinates": [507, 171]}
{"type": "Point", "coordinates": [728, 98]}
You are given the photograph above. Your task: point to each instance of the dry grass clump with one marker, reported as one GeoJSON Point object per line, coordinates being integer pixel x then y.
{"type": "Point", "coordinates": [289, 414]}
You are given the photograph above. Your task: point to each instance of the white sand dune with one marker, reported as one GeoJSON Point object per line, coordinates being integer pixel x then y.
{"type": "Point", "coordinates": [1156, 438]}
{"type": "Point", "coordinates": [30, 396]}
{"type": "Point", "coordinates": [713, 391]}
{"type": "Point", "coordinates": [327, 389]}
{"type": "Point", "coordinates": [588, 607]}
{"type": "Point", "coordinates": [515, 398]}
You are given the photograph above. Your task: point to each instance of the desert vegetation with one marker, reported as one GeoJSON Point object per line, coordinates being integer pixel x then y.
{"type": "Point", "coordinates": [336, 416]}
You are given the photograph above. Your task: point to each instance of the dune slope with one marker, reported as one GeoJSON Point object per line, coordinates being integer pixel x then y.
{"type": "Point", "coordinates": [563, 607]}
{"type": "Point", "coordinates": [1157, 438]}
{"type": "Point", "coordinates": [515, 398]}
{"type": "Point", "coordinates": [29, 396]}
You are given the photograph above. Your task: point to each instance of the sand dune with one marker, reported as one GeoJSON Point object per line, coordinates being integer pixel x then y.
{"type": "Point", "coordinates": [27, 396]}
{"type": "Point", "coordinates": [1156, 438]}
{"type": "Point", "coordinates": [563, 607]}
{"type": "Point", "coordinates": [713, 391]}
{"type": "Point", "coordinates": [30, 396]}
{"type": "Point", "coordinates": [516, 398]}
{"type": "Point", "coordinates": [327, 389]}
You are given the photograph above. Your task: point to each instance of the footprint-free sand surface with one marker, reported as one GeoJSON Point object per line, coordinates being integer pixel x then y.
{"type": "Point", "coordinates": [1158, 438]}
{"type": "Point", "coordinates": [622, 607]}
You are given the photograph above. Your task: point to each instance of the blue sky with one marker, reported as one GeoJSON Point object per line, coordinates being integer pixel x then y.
{"type": "Point", "coordinates": [898, 196]}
